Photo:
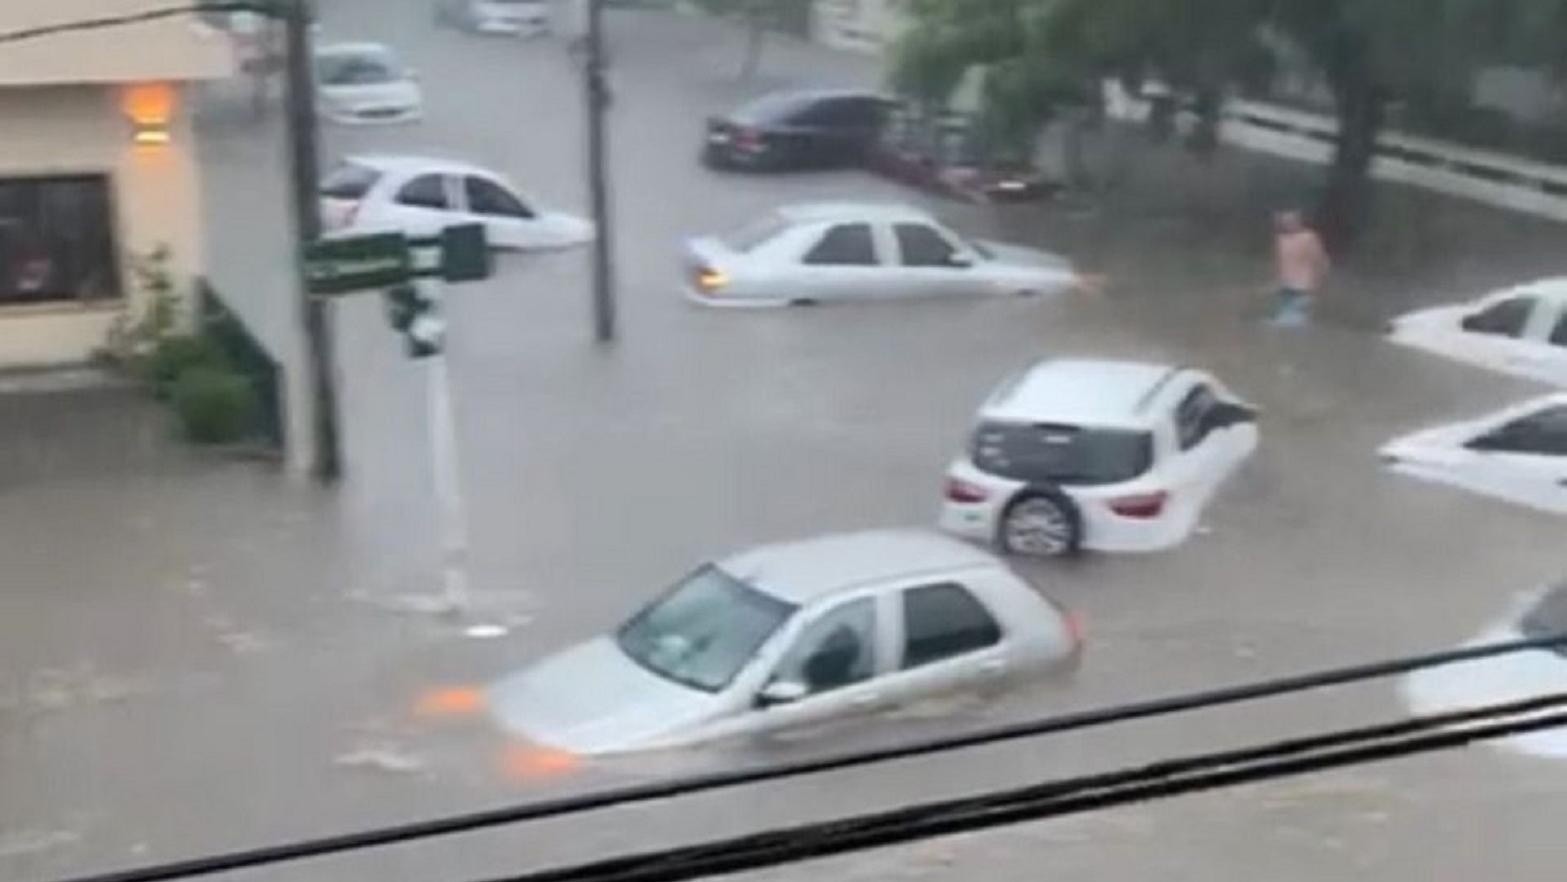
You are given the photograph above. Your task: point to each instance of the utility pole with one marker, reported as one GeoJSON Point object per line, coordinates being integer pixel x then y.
{"type": "Point", "coordinates": [305, 174]}
{"type": "Point", "coordinates": [451, 512]}
{"type": "Point", "coordinates": [598, 176]}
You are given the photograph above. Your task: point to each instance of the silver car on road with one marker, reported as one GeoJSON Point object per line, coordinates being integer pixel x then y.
{"type": "Point", "coordinates": [793, 635]}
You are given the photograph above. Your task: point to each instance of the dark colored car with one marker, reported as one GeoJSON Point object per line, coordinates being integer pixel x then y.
{"type": "Point", "coordinates": [787, 130]}
{"type": "Point", "coordinates": [945, 156]}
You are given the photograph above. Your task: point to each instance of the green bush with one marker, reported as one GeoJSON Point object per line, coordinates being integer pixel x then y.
{"type": "Point", "coordinates": [176, 356]}
{"type": "Point", "coordinates": [215, 405]}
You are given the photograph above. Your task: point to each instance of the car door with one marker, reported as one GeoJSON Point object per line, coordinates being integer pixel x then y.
{"type": "Point", "coordinates": [508, 221]}
{"type": "Point", "coordinates": [1209, 436]}
{"type": "Point", "coordinates": [931, 263]}
{"type": "Point", "coordinates": [422, 206]}
{"type": "Point", "coordinates": [834, 665]}
{"type": "Point", "coordinates": [842, 262]}
{"type": "Point", "coordinates": [948, 643]}
{"type": "Point", "coordinates": [1522, 460]}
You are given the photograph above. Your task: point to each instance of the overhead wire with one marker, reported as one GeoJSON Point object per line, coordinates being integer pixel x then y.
{"type": "Point", "coordinates": [703, 783]}
{"type": "Point", "coordinates": [131, 18]}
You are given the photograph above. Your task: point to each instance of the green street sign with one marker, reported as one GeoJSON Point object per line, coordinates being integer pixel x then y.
{"type": "Point", "coordinates": [465, 254]}
{"type": "Point", "coordinates": [357, 263]}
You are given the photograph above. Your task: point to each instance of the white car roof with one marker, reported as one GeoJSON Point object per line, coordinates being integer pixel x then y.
{"type": "Point", "coordinates": [1554, 289]}
{"type": "Point", "coordinates": [805, 571]}
{"type": "Point", "coordinates": [417, 164]}
{"type": "Point", "coordinates": [358, 48]}
{"type": "Point", "coordinates": [1080, 391]}
{"type": "Point", "coordinates": [809, 212]}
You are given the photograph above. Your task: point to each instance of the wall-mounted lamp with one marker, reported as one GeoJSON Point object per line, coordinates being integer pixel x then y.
{"type": "Point", "coordinates": [150, 108]}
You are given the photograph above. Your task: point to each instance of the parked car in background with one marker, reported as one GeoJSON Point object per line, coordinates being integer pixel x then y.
{"type": "Point", "coordinates": [365, 83]}
{"type": "Point", "coordinates": [1520, 331]}
{"type": "Point", "coordinates": [1518, 454]}
{"type": "Point", "coordinates": [1504, 679]}
{"type": "Point", "coordinates": [794, 635]}
{"type": "Point", "coordinates": [419, 196]}
{"type": "Point", "coordinates": [516, 18]}
{"type": "Point", "coordinates": [1104, 455]}
{"type": "Point", "coordinates": [796, 129]}
{"type": "Point", "coordinates": [945, 156]}
{"type": "Point", "coordinates": [820, 252]}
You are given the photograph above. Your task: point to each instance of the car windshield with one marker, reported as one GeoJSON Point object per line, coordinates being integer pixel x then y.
{"type": "Point", "coordinates": [756, 233]}
{"type": "Point", "coordinates": [349, 181]}
{"type": "Point", "coordinates": [366, 68]}
{"type": "Point", "coordinates": [704, 630]}
{"type": "Point", "coordinates": [1061, 454]}
{"type": "Point", "coordinates": [1547, 617]}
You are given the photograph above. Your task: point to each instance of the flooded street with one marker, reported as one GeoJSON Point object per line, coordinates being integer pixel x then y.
{"type": "Point", "coordinates": [199, 653]}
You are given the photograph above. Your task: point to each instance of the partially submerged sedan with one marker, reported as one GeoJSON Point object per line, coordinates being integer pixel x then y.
{"type": "Point", "coordinates": [1520, 331]}
{"type": "Point", "coordinates": [794, 635]}
{"type": "Point", "coordinates": [1518, 455]}
{"type": "Point", "coordinates": [820, 252]}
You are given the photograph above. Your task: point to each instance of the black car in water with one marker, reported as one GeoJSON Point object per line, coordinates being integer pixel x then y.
{"type": "Point", "coordinates": [796, 129]}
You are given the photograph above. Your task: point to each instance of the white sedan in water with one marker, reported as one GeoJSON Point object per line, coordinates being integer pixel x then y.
{"type": "Point", "coordinates": [418, 196]}
{"type": "Point", "coordinates": [366, 83]}
{"type": "Point", "coordinates": [1520, 331]}
{"type": "Point", "coordinates": [1518, 454]}
{"type": "Point", "coordinates": [823, 252]}
{"type": "Point", "coordinates": [794, 635]}
{"type": "Point", "coordinates": [1505, 679]}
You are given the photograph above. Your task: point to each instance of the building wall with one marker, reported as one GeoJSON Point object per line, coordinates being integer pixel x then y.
{"type": "Point", "coordinates": [61, 130]}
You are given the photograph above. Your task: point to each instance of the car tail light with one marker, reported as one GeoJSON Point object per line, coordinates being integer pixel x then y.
{"type": "Point", "coordinates": [962, 491]}
{"type": "Point", "coordinates": [749, 140]}
{"type": "Point", "coordinates": [709, 280]}
{"type": "Point", "coordinates": [1141, 506]}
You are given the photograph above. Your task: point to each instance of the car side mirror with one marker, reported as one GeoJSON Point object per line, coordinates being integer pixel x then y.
{"type": "Point", "coordinates": [960, 261]}
{"type": "Point", "coordinates": [780, 692]}
{"type": "Point", "coordinates": [1229, 413]}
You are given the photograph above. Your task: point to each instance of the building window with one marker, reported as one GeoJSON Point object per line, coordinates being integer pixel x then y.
{"type": "Point", "coordinates": [57, 241]}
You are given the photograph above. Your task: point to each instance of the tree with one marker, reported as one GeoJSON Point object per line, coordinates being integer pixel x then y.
{"type": "Point", "coordinates": [1368, 52]}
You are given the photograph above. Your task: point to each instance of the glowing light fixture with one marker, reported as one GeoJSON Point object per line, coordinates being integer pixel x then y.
{"type": "Point", "coordinates": [150, 108]}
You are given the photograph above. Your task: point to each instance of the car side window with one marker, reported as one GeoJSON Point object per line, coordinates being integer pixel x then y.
{"type": "Point", "coordinates": [425, 191]}
{"type": "Point", "coordinates": [832, 112]}
{"type": "Point", "coordinates": [942, 621]}
{"type": "Point", "coordinates": [1505, 318]}
{"type": "Point", "coordinates": [1543, 433]}
{"type": "Point", "coordinates": [1559, 335]}
{"type": "Point", "coordinates": [921, 245]}
{"type": "Point", "coordinates": [485, 197]}
{"type": "Point", "coordinates": [844, 245]}
{"type": "Point", "coordinates": [1192, 423]}
{"type": "Point", "coordinates": [836, 650]}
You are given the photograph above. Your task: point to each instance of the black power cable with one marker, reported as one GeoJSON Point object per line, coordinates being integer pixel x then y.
{"type": "Point", "coordinates": [661, 790]}
{"type": "Point", "coordinates": [1158, 780]}
{"type": "Point", "coordinates": [132, 18]}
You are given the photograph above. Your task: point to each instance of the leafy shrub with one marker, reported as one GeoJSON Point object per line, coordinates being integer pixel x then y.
{"type": "Point", "coordinates": [215, 405]}
{"type": "Point", "coordinates": [174, 356]}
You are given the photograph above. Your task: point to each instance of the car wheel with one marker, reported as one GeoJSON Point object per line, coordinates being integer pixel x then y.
{"type": "Point", "coordinates": [1042, 523]}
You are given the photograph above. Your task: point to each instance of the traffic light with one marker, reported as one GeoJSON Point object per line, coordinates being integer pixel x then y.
{"type": "Point", "coordinates": [414, 316]}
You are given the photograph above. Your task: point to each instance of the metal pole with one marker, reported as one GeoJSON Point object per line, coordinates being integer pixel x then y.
{"type": "Point", "coordinates": [598, 176]}
{"type": "Point", "coordinates": [305, 174]}
{"type": "Point", "coordinates": [451, 510]}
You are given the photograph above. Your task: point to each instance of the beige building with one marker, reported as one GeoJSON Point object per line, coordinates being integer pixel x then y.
{"type": "Point", "coordinates": [97, 166]}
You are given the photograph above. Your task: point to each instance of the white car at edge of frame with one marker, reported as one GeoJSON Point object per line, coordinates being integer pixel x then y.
{"type": "Point", "coordinates": [1521, 331]}
{"type": "Point", "coordinates": [366, 84]}
{"type": "Point", "coordinates": [1504, 679]}
{"type": "Point", "coordinates": [843, 251]}
{"type": "Point", "coordinates": [793, 636]}
{"type": "Point", "coordinates": [1518, 454]}
{"type": "Point", "coordinates": [419, 197]}
{"type": "Point", "coordinates": [1096, 454]}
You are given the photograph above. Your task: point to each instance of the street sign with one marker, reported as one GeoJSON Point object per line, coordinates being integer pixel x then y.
{"type": "Point", "coordinates": [357, 263]}
{"type": "Point", "coordinates": [465, 254]}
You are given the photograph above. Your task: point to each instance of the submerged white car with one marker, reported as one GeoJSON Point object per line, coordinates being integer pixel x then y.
{"type": "Point", "coordinates": [820, 252]}
{"type": "Point", "coordinates": [1096, 454]}
{"type": "Point", "coordinates": [515, 18]}
{"type": "Point", "coordinates": [794, 635]}
{"type": "Point", "coordinates": [1520, 331]}
{"type": "Point", "coordinates": [1518, 455]}
{"type": "Point", "coordinates": [418, 196]}
{"type": "Point", "coordinates": [1505, 679]}
{"type": "Point", "coordinates": [365, 83]}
